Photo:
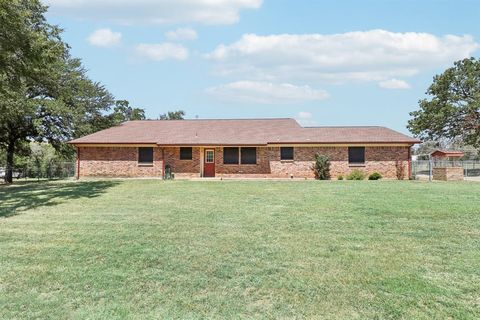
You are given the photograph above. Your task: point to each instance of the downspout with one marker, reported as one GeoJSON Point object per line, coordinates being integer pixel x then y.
{"type": "Point", "coordinates": [78, 163]}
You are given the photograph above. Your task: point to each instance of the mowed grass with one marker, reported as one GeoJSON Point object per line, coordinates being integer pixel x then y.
{"type": "Point", "coordinates": [144, 249]}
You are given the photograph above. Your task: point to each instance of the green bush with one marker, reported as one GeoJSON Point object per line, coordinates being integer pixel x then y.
{"type": "Point", "coordinates": [356, 175]}
{"type": "Point", "coordinates": [340, 177]}
{"type": "Point", "coordinates": [375, 176]}
{"type": "Point", "coordinates": [321, 167]}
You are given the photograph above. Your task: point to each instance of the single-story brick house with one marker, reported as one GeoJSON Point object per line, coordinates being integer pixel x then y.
{"type": "Point", "coordinates": [276, 148]}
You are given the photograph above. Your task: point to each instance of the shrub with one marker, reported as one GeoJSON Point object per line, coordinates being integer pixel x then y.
{"type": "Point", "coordinates": [340, 177]}
{"type": "Point", "coordinates": [375, 176]}
{"type": "Point", "coordinates": [356, 175]}
{"type": "Point", "coordinates": [321, 167]}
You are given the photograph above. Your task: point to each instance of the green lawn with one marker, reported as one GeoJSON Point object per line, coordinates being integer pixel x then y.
{"type": "Point", "coordinates": [225, 249]}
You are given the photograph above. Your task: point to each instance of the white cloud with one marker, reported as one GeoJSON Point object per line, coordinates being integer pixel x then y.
{"type": "Point", "coordinates": [305, 119]}
{"type": "Point", "coordinates": [374, 55]}
{"type": "Point", "coordinates": [266, 92]}
{"type": "Point", "coordinates": [105, 38]}
{"type": "Point", "coordinates": [394, 84]}
{"type": "Point", "coordinates": [155, 11]}
{"type": "Point", "coordinates": [181, 34]}
{"type": "Point", "coordinates": [162, 51]}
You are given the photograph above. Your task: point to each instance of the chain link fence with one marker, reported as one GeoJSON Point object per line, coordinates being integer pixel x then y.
{"type": "Point", "coordinates": [60, 170]}
{"type": "Point", "coordinates": [422, 168]}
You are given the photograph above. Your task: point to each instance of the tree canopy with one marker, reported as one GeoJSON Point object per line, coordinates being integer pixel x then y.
{"type": "Point", "coordinates": [45, 94]}
{"type": "Point", "coordinates": [124, 112]}
{"type": "Point", "coordinates": [31, 60]}
{"type": "Point", "coordinates": [453, 110]}
{"type": "Point", "coordinates": [173, 115]}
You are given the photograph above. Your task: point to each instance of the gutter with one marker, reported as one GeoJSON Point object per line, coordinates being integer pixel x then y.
{"type": "Point", "coordinates": [135, 144]}
{"type": "Point", "coordinates": [345, 142]}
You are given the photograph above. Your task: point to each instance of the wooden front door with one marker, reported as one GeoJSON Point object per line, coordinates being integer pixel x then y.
{"type": "Point", "coordinates": [209, 163]}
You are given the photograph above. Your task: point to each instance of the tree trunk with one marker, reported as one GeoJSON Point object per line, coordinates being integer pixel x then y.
{"type": "Point", "coordinates": [9, 171]}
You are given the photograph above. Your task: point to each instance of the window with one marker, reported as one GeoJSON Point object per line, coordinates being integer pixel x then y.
{"type": "Point", "coordinates": [235, 155]}
{"type": "Point", "coordinates": [230, 155]}
{"type": "Point", "coordinates": [209, 156]}
{"type": "Point", "coordinates": [356, 155]}
{"type": "Point", "coordinates": [248, 155]}
{"type": "Point", "coordinates": [145, 155]}
{"type": "Point", "coordinates": [286, 153]}
{"type": "Point", "coordinates": [185, 153]}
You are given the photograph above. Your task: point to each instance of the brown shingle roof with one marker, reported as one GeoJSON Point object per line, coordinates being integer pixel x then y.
{"type": "Point", "coordinates": [367, 134]}
{"type": "Point", "coordinates": [237, 132]}
{"type": "Point", "coordinates": [447, 153]}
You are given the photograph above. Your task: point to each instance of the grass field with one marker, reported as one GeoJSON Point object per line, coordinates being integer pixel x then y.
{"type": "Point", "coordinates": [225, 249]}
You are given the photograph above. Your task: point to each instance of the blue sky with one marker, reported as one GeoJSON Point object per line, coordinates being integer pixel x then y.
{"type": "Point", "coordinates": [321, 62]}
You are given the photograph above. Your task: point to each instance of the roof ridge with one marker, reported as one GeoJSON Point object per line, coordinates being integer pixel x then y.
{"type": "Point", "coordinates": [315, 127]}
{"type": "Point", "coordinates": [212, 119]}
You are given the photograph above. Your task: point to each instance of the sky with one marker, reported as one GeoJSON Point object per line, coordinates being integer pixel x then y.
{"type": "Point", "coordinates": [324, 63]}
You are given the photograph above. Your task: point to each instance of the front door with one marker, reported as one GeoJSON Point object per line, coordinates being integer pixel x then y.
{"type": "Point", "coordinates": [209, 163]}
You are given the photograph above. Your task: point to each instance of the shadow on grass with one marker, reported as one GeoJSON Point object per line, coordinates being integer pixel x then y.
{"type": "Point", "coordinates": [20, 197]}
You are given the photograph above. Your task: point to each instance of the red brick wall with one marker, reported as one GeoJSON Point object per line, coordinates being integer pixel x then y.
{"type": "Point", "coordinates": [117, 162]}
{"type": "Point", "coordinates": [448, 174]}
{"type": "Point", "coordinates": [385, 160]}
{"type": "Point", "coordinates": [261, 169]}
{"type": "Point", "coordinates": [122, 162]}
{"type": "Point", "coordinates": [183, 168]}
{"type": "Point", "coordinates": [389, 161]}
{"type": "Point", "coordinates": [301, 166]}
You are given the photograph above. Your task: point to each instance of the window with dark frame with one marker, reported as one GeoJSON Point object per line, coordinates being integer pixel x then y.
{"type": "Point", "coordinates": [185, 153]}
{"type": "Point", "coordinates": [145, 155]}
{"type": "Point", "coordinates": [286, 153]}
{"type": "Point", "coordinates": [230, 155]}
{"type": "Point", "coordinates": [248, 155]}
{"type": "Point", "coordinates": [356, 155]}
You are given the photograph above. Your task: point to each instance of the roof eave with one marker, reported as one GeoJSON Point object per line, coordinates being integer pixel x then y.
{"type": "Point", "coordinates": [345, 142]}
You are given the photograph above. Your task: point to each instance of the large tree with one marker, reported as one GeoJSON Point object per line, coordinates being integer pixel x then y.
{"type": "Point", "coordinates": [45, 94]}
{"type": "Point", "coordinates": [31, 54]}
{"type": "Point", "coordinates": [453, 110]}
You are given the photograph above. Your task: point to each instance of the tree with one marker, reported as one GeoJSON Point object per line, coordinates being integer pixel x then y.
{"type": "Point", "coordinates": [30, 58]}
{"type": "Point", "coordinates": [173, 115]}
{"type": "Point", "coordinates": [453, 112]}
{"type": "Point", "coordinates": [29, 45]}
{"type": "Point", "coordinates": [86, 104]}
{"type": "Point", "coordinates": [45, 95]}
{"type": "Point", "coordinates": [427, 147]}
{"type": "Point", "coordinates": [124, 112]}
